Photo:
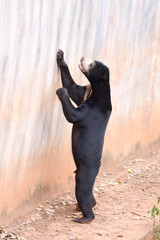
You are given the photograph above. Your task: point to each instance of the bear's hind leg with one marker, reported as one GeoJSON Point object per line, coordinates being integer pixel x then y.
{"type": "Point", "coordinates": [93, 201]}
{"type": "Point", "coordinates": [84, 186]}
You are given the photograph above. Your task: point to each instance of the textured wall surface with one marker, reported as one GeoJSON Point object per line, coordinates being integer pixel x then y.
{"type": "Point", "coordinates": [35, 138]}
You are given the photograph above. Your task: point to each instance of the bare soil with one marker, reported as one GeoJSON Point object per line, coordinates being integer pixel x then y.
{"type": "Point", "coordinates": [124, 195]}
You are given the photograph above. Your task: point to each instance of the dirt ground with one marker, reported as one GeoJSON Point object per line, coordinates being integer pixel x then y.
{"type": "Point", "coordinates": [124, 195]}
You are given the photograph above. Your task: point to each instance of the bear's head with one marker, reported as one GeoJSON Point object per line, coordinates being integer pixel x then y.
{"type": "Point", "coordinates": [95, 71]}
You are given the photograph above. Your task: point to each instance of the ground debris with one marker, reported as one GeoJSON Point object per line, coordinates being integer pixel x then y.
{"type": "Point", "coordinates": [46, 211]}
{"type": "Point", "coordinates": [4, 234]}
{"type": "Point", "coordinates": [136, 160]}
{"type": "Point", "coordinates": [107, 174]}
{"type": "Point", "coordinates": [123, 198]}
{"type": "Point", "coordinates": [108, 182]}
{"type": "Point", "coordinates": [129, 170]}
{"type": "Point", "coordinates": [120, 235]}
{"type": "Point", "coordinates": [33, 219]}
{"type": "Point", "coordinates": [75, 238]}
{"type": "Point", "coordinates": [99, 234]}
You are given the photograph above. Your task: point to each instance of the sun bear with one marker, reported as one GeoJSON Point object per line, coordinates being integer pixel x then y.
{"type": "Point", "coordinates": [89, 119]}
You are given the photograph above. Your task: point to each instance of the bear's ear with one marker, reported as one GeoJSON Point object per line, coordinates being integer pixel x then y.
{"type": "Point", "coordinates": [104, 75]}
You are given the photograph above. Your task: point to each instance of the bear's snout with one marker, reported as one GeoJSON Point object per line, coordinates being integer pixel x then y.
{"type": "Point", "coordinates": [86, 64]}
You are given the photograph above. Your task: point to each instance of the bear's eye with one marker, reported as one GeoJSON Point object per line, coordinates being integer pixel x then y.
{"type": "Point", "coordinates": [91, 65]}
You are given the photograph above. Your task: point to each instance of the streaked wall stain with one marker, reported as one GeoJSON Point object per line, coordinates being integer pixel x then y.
{"type": "Point", "coordinates": [34, 136]}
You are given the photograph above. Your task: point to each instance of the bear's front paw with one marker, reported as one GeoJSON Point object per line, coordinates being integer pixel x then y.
{"type": "Point", "coordinates": [60, 59]}
{"type": "Point", "coordinates": [62, 92]}
{"type": "Point", "coordinates": [59, 54]}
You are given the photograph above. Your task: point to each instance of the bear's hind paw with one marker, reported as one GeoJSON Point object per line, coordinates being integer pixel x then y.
{"type": "Point", "coordinates": [84, 220]}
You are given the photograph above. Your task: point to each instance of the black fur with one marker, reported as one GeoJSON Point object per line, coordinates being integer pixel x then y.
{"type": "Point", "coordinates": [89, 120]}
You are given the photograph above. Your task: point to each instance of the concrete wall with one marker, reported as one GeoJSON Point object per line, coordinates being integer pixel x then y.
{"type": "Point", "coordinates": [35, 152]}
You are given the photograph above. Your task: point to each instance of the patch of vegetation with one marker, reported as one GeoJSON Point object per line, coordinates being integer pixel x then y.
{"type": "Point", "coordinates": [155, 215]}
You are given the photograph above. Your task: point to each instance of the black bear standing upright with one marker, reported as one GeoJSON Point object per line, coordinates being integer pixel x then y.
{"type": "Point", "coordinates": [89, 120]}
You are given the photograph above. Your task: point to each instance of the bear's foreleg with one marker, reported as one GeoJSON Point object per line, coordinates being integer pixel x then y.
{"type": "Point", "coordinates": [67, 80]}
{"type": "Point", "coordinates": [75, 91]}
{"type": "Point", "coordinates": [71, 113]}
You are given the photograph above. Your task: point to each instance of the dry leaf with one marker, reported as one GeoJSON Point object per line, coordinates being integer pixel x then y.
{"type": "Point", "coordinates": [41, 206]}
{"type": "Point", "coordinates": [39, 209]}
{"type": "Point", "coordinates": [99, 234]}
{"type": "Point", "coordinates": [102, 185]}
{"type": "Point", "coordinates": [96, 189]}
{"type": "Point", "coordinates": [120, 235]}
{"type": "Point", "coordinates": [50, 210]}
{"type": "Point", "coordinates": [129, 170]}
{"type": "Point", "coordinates": [33, 219]}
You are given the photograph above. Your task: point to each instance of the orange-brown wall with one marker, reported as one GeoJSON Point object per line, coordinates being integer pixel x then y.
{"type": "Point", "coordinates": [35, 147]}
